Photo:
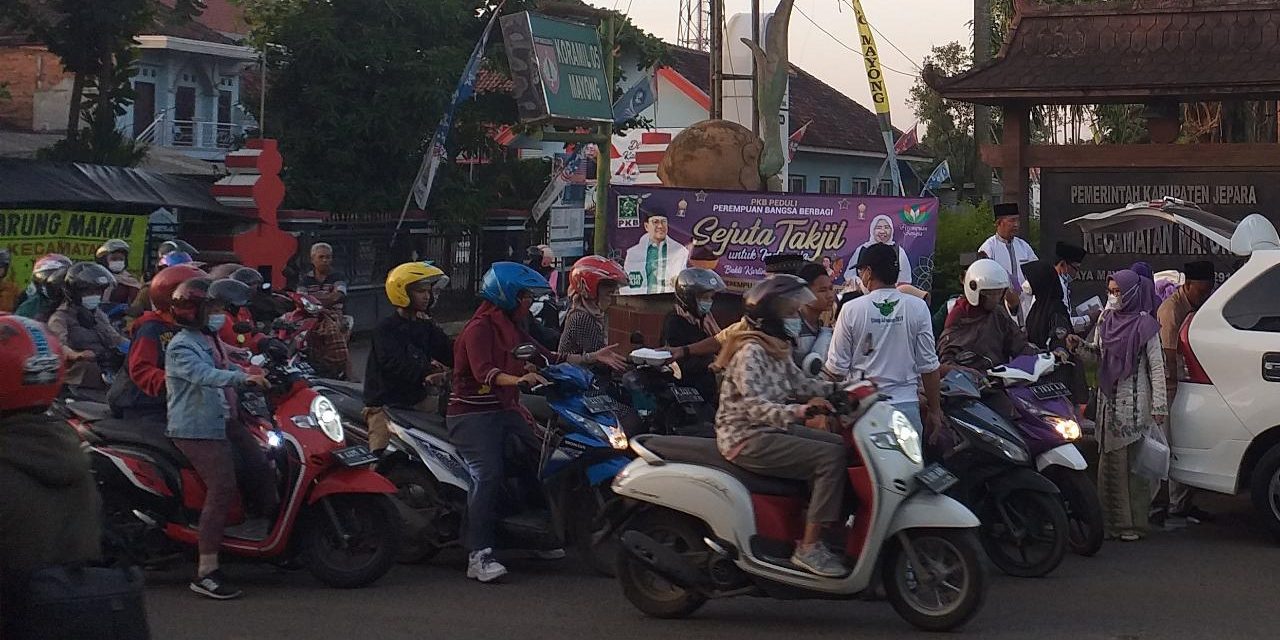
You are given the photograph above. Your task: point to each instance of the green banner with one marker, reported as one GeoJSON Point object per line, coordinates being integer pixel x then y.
{"type": "Point", "coordinates": [558, 69]}
{"type": "Point", "coordinates": [31, 233]}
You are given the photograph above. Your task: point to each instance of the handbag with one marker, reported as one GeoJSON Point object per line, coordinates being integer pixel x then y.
{"type": "Point", "coordinates": [1152, 459]}
{"type": "Point", "coordinates": [73, 602]}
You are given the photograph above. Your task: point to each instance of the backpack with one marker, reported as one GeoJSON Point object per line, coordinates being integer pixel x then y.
{"type": "Point", "coordinates": [84, 603]}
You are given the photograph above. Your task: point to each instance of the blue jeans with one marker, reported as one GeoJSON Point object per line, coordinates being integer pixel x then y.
{"type": "Point", "coordinates": [912, 411]}
{"type": "Point", "coordinates": [481, 438]}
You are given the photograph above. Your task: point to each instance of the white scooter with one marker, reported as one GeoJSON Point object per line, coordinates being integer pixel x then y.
{"type": "Point", "coordinates": [705, 528]}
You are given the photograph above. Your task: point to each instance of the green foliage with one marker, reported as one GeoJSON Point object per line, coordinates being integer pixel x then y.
{"type": "Point", "coordinates": [948, 123]}
{"type": "Point", "coordinates": [961, 230]}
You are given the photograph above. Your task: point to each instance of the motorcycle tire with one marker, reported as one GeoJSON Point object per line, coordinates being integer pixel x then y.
{"type": "Point", "coordinates": [955, 549]}
{"type": "Point", "coordinates": [602, 557]}
{"type": "Point", "coordinates": [419, 492]}
{"type": "Point", "coordinates": [371, 525]}
{"type": "Point", "coordinates": [1026, 512]}
{"type": "Point", "coordinates": [647, 591]}
{"type": "Point", "coordinates": [1084, 509]}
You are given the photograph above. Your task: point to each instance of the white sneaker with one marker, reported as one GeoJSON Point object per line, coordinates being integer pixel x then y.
{"type": "Point", "coordinates": [481, 566]}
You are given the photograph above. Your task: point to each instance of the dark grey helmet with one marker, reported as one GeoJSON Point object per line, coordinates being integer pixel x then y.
{"type": "Point", "coordinates": [693, 282]}
{"type": "Point", "coordinates": [111, 246]}
{"type": "Point", "coordinates": [230, 292]}
{"type": "Point", "coordinates": [773, 300]}
{"type": "Point", "coordinates": [84, 278]}
{"type": "Point", "coordinates": [250, 276]}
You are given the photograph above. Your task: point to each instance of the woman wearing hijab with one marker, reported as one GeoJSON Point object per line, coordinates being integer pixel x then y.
{"type": "Point", "coordinates": [1132, 400]}
{"type": "Point", "coordinates": [1049, 324]}
{"type": "Point", "coordinates": [881, 233]}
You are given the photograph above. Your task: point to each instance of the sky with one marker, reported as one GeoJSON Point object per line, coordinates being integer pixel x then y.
{"type": "Point", "coordinates": [914, 26]}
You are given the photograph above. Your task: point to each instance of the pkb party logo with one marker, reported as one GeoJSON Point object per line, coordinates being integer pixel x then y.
{"type": "Point", "coordinates": [917, 214]}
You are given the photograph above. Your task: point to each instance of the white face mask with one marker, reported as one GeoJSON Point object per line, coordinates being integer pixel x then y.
{"type": "Point", "coordinates": [792, 326]}
{"type": "Point", "coordinates": [116, 266]}
{"type": "Point", "coordinates": [91, 302]}
{"type": "Point", "coordinates": [1113, 301]}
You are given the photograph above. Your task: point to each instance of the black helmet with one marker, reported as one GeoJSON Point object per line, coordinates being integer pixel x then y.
{"type": "Point", "coordinates": [251, 277]}
{"type": "Point", "coordinates": [232, 293]}
{"type": "Point", "coordinates": [86, 278]}
{"type": "Point", "coordinates": [773, 300]}
{"type": "Point", "coordinates": [223, 270]}
{"type": "Point", "coordinates": [48, 274]}
{"type": "Point", "coordinates": [693, 282]}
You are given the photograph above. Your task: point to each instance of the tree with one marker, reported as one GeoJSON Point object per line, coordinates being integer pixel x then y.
{"type": "Point", "coordinates": [948, 123]}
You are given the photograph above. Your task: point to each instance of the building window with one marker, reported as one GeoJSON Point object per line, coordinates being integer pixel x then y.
{"type": "Point", "coordinates": [828, 184]}
{"type": "Point", "coordinates": [886, 188]}
{"type": "Point", "coordinates": [799, 184]}
{"type": "Point", "coordinates": [860, 186]}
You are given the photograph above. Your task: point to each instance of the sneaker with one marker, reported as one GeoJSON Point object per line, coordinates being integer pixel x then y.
{"type": "Point", "coordinates": [481, 566]}
{"type": "Point", "coordinates": [215, 586]}
{"type": "Point", "coordinates": [1195, 515]}
{"type": "Point", "coordinates": [819, 561]}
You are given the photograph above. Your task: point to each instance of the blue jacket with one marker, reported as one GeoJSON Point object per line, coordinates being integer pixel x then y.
{"type": "Point", "coordinates": [194, 384]}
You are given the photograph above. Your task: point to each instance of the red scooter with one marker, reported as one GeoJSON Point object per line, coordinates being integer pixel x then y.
{"type": "Point", "coordinates": [295, 329]}
{"type": "Point", "coordinates": [336, 513]}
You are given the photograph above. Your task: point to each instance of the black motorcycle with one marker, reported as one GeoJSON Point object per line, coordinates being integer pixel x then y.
{"type": "Point", "coordinates": [1024, 525]}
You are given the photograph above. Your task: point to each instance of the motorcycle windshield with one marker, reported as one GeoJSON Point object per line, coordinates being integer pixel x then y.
{"type": "Point", "coordinates": [569, 377]}
{"type": "Point", "coordinates": [979, 414]}
{"type": "Point", "coordinates": [958, 384]}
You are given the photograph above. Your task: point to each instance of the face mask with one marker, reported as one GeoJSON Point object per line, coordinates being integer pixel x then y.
{"type": "Point", "coordinates": [215, 322]}
{"type": "Point", "coordinates": [1113, 301]}
{"type": "Point", "coordinates": [704, 306]}
{"type": "Point", "coordinates": [91, 302]}
{"type": "Point", "coordinates": [792, 327]}
{"type": "Point", "coordinates": [116, 266]}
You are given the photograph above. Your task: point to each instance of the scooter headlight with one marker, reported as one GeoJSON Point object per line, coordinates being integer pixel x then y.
{"type": "Point", "coordinates": [326, 416]}
{"type": "Point", "coordinates": [614, 435]}
{"type": "Point", "coordinates": [274, 440]}
{"type": "Point", "coordinates": [901, 436]}
{"type": "Point", "coordinates": [1068, 429]}
{"type": "Point", "coordinates": [1010, 449]}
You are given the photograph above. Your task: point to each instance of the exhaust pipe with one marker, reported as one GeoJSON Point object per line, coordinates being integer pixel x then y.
{"type": "Point", "coordinates": [662, 560]}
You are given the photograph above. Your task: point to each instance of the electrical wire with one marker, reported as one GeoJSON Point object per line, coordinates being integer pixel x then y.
{"type": "Point", "coordinates": [880, 33]}
{"type": "Point", "coordinates": [854, 50]}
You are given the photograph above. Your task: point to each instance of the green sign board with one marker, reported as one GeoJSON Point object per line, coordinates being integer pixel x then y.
{"type": "Point", "coordinates": [557, 68]}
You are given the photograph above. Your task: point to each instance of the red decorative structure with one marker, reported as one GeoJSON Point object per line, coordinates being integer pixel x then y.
{"type": "Point", "coordinates": [254, 184]}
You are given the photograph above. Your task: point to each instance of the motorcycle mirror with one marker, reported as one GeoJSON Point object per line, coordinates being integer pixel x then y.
{"type": "Point", "coordinates": [525, 352]}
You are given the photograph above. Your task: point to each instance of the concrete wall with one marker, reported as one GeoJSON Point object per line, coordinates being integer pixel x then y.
{"type": "Point", "coordinates": [39, 90]}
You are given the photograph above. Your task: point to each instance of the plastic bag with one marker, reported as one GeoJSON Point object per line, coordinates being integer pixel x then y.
{"type": "Point", "coordinates": [1152, 460]}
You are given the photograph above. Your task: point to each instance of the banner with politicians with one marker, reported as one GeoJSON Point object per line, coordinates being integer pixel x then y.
{"type": "Point", "coordinates": [32, 233]}
{"type": "Point", "coordinates": [656, 232]}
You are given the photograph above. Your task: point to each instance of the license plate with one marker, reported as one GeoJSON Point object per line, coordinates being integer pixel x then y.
{"type": "Point", "coordinates": [1050, 391]}
{"type": "Point", "coordinates": [936, 478]}
{"type": "Point", "coordinates": [356, 456]}
{"type": "Point", "coordinates": [687, 395]}
{"type": "Point", "coordinates": [598, 403]}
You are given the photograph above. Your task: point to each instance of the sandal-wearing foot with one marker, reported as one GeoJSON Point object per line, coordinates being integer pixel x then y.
{"type": "Point", "coordinates": [1130, 536]}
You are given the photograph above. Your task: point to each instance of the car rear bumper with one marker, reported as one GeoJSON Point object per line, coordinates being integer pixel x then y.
{"type": "Point", "coordinates": [1206, 439]}
{"type": "Point", "coordinates": [1215, 469]}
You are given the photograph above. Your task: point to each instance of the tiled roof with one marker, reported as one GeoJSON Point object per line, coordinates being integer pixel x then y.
{"type": "Point", "coordinates": [189, 29]}
{"type": "Point", "coordinates": [1127, 50]}
{"type": "Point", "coordinates": [490, 81]}
{"type": "Point", "coordinates": [838, 121]}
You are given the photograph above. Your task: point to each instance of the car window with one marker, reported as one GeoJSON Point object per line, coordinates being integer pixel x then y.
{"type": "Point", "coordinates": [1256, 307]}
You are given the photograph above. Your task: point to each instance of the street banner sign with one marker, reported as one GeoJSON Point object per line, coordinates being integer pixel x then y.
{"type": "Point", "coordinates": [557, 68]}
{"type": "Point", "coordinates": [31, 233]}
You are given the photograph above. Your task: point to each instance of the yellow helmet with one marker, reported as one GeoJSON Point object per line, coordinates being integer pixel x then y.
{"type": "Point", "coordinates": [409, 273]}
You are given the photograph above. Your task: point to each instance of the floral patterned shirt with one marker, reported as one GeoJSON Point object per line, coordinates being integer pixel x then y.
{"type": "Point", "coordinates": [759, 395]}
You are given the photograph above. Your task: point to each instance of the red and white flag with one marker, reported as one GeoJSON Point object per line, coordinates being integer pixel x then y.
{"type": "Point", "coordinates": [909, 140]}
{"type": "Point", "coordinates": [504, 135]}
{"type": "Point", "coordinates": [793, 143]}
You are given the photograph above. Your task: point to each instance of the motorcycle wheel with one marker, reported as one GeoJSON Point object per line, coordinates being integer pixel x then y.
{"type": "Point", "coordinates": [1084, 509]}
{"type": "Point", "coordinates": [650, 593]}
{"type": "Point", "coordinates": [1025, 535]}
{"type": "Point", "coordinates": [363, 551]}
{"type": "Point", "coordinates": [420, 492]}
{"type": "Point", "coordinates": [955, 589]}
{"type": "Point", "coordinates": [584, 515]}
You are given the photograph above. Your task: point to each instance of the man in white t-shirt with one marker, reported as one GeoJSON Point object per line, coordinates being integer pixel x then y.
{"type": "Point", "coordinates": [887, 336]}
{"type": "Point", "coordinates": [1011, 252]}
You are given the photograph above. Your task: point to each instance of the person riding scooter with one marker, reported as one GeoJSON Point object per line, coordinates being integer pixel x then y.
{"type": "Point", "coordinates": [142, 301]}
{"type": "Point", "coordinates": [484, 408]}
{"type": "Point", "coordinates": [691, 322]}
{"type": "Point", "coordinates": [45, 293]}
{"type": "Point", "coordinates": [114, 255]}
{"type": "Point", "coordinates": [409, 352]}
{"type": "Point", "coordinates": [593, 284]}
{"type": "Point", "coordinates": [92, 345]}
{"type": "Point", "coordinates": [764, 401]}
{"type": "Point", "coordinates": [203, 426]}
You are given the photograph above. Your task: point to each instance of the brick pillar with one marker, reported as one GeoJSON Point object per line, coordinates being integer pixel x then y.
{"type": "Point", "coordinates": [254, 185]}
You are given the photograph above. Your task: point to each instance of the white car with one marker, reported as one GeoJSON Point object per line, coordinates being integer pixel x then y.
{"type": "Point", "coordinates": [1225, 419]}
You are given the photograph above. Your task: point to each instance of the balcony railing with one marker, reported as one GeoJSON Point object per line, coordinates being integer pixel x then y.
{"type": "Point", "coordinates": [166, 131]}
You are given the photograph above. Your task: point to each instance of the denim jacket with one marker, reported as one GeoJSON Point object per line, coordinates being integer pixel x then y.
{"type": "Point", "coordinates": [195, 384]}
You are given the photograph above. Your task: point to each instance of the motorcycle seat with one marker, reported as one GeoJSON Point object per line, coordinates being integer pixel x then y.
{"type": "Point", "coordinates": [430, 423]}
{"type": "Point", "coordinates": [88, 410]}
{"type": "Point", "coordinates": [140, 433]}
{"type": "Point", "coordinates": [703, 452]}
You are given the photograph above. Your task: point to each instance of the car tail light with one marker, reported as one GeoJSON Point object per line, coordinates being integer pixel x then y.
{"type": "Point", "coordinates": [1192, 372]}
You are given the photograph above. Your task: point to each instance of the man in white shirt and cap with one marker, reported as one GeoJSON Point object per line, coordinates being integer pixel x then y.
{"type": "Point", "coordinates": [1011, 252]}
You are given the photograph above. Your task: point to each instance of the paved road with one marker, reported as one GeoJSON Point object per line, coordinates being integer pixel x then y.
{"type": "Point", "coordinates": [1211, 581]}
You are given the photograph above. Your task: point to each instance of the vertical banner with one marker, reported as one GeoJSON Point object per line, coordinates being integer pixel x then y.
{"type": "Point", "coordinates": [879, 94]}
{"type": "Point", "coordinates": [31, 233]}
{"type": "Point", "coordinates": [657, 232]}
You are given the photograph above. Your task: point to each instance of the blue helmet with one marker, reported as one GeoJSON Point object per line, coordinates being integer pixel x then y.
{"type": "Point", "coordinates": [504, 281]}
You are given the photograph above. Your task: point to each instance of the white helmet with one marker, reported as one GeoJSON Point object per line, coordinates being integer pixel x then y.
{"type": "Point", "coordinates": [984, 275]}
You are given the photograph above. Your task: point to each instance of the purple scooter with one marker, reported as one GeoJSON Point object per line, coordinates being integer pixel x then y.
{"type": "Point", "coordinates": [1047, 421]}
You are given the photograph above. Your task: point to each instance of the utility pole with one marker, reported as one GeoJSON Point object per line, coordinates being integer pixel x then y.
{"type": "Point", "coordinates": [600, 241]}
{"type": "Point", "coordinates": [717, 59]}
{"type": "Point", "coordinates": [981, 113]}
{"type": "Point", "coordinates": [755, 71]}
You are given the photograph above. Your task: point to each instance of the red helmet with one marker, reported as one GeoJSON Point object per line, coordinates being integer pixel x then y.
{"type": "Point", "coordinates": [188, 303]}
{"type": "Point", "coordinates": [589, 272]}
{"type": "Point", "coordinates": [166, 282]}
{"type": "Point", "coordinates": [31, 366]}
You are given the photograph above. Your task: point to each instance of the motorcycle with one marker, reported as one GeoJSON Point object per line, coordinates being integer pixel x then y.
{"type": "Point", "coordinates": [335, 512]}
{"type": "Point", "coordinates": [1046, 419]}
{"type": "Point", "coordinates": [702, 527]}
{"type": "Point", "coordinates": [665, 406]}
{"type": "Point", "coordinates": [1024, 524]}
{"type": "Point", "coordinates": [583, 447]}
{"type": "Point", "coordinates": [296, 327]}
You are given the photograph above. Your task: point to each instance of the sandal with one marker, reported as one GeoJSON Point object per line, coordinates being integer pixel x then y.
{"type": "Point", "coordinates": [1130, 536]}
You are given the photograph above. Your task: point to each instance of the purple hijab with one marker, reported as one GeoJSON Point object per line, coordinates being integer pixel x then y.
{"type": "Point", "coordinates": [1126, 330]}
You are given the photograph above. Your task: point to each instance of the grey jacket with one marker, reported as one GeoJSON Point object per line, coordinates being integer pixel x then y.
{"type": "Point", "coordinates": [195, 387]}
